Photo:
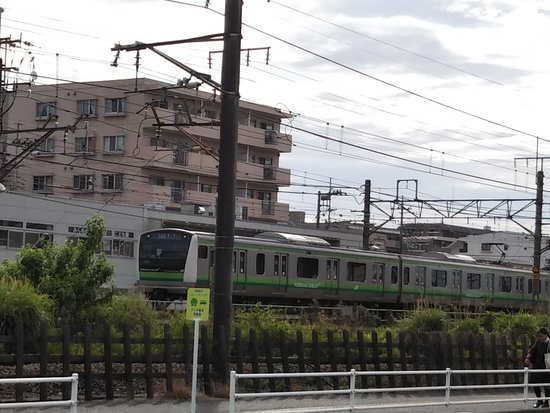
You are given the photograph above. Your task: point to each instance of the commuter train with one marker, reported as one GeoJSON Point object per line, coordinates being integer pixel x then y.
{"type": "Point", "coordinates": [279, 268]}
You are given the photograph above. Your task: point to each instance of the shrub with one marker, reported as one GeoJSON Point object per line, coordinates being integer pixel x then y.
{"type": "Point", "coordinates": [518, 324]}
{"type": "Point", "coordinates": [133, 310]}
{"type": "Point", "coordinates": [423, 321]}
{"type": "Point", "coordinates": [19, 300]}
{"type": "Point", "coordinates": [467, 325]}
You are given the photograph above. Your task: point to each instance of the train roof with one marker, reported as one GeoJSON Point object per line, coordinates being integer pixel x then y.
{"type": "Point", "coordinates": [296, 239]}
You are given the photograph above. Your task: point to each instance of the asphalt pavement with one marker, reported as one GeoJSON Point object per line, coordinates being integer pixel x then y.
{"type": "Point", "coordinates": [377, 404]}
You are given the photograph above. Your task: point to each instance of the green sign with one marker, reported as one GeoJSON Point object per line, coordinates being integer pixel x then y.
{"type": "Point", "coordinates": [198, 304]}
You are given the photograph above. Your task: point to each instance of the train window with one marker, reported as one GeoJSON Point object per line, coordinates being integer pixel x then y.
{"type": "Point", "coordinates": [357, 271]}
{"type": "Point", "coordinates": [505, 284]}
{"type": "Point", "coordinates": [439, 278]}
{"type": "Point", "coordinates": [377, 272]}
{"type": "Point", "coordinates": [406, 275]}
{"type": "Point", "coordinates": [529, 286]}
{"type": "Point", "coordinates": [260, 264]}
{"type": "Point", "coordinates": [276, 266]}
{"type": "Point", "coordinates": [332, 269]}
{"type": "Point", "coordinates": [394, 274]}
{"type": "Point", "coordinates": [473, 281]}
{"type": "Point", "coordinates": [234, 261]}
{"type": "Point", "coordinates": [307, 267]}
{"type": "Point", "coordinates": [519, 284]}
{"type": "Point", "coordinates": [420, 276]}
{"type": "Point", "coordinates": [203, 251]}
{"type": "Point", "coordinates": [242, 262]}
{"type": "Point", "coordinates": [284, 264]}
{"type": "Point", "coordinates": [546, 286]}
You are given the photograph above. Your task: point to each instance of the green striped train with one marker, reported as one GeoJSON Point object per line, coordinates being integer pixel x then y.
{"type": "Point", "coordinates": [288, 269]}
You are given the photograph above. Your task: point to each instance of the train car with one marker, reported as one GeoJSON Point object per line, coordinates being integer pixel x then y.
{"type": "Point", "coordinates": [282, 268]}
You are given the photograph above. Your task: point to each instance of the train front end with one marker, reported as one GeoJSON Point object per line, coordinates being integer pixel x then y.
{"type": "Point", "coordinates": [167, 263]}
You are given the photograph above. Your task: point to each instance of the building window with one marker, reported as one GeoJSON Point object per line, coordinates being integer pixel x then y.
{"type": "Point", "coordinates": [156, 180]}
{"type": "Point", "coordinates": [178, 191]}
{"type": "Point", "coordinates": [207, 188]}
{"type": "Point", "coordinates": [115, 106]}
{"type": "Point", "coordinates": [113, 144]}
{"type": "Point", "coordinates": [87, 107]}
{"type": "Point", "coordinates": [485, 247]}
{"type": "Point", "coordinates": [84, 145]}
{"type": "Point", "coordinates": [112, 182]}
{"type": "Point", "coordinates": [46, 146]}
{"type": "Point", "coordinates": [181, 156]}
{"type": "Point", "coordinates": [159, 143]}
{"type": "Point", "coordinates": [42, 184]}
{"type": "Point", "coordinates": [45, 109]}
{"type": "Point", "coordinates": [83, 182]}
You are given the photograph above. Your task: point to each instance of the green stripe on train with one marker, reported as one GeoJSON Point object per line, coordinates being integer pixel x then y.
{"type": "Point", "coordinates": [160, 276]}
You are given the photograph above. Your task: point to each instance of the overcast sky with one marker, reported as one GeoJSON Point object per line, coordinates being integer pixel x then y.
{"type": "Point", "coordinates": [449, 93]}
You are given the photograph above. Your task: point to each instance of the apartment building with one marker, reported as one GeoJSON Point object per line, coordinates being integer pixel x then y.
{"type": "Point", "coordinates": [142, 142]}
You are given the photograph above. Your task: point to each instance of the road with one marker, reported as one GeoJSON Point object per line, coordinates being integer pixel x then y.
{"type": "Point", "coordinates": [269, 405]}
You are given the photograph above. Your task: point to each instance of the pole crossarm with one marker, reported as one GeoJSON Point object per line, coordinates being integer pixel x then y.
{"type": "Point", "coordinates": [206, 78]}
{"type": "Point", "coordinates": [7, 167]}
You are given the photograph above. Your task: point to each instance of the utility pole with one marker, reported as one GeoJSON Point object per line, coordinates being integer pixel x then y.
{"type": "Point", "coordinates": [227, 172]}
{"type": "Point", "coordinates": [537, 251]}
{"type": "Point", "coordinates": [227, 182]}
{"type": "Point", "coordinates": [537, 234]}
{"type": "Point", "coordinates": [366, 215]}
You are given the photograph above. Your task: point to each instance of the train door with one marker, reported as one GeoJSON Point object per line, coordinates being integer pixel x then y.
{"type": "Point", "coordinates": [333, 276]}
{"type": "Point", "coordinates": [378, 278]}
{"type": "Point", "coordinates": [280, 272]}
{"type": "Point", "coordinates": [239, 270]}
{"type": "Point", "coordinates": [456, 283]}
{"type": "Point", "coordinates": [490, 285]}
{"type": "Point", "coordinates": [420, 282]}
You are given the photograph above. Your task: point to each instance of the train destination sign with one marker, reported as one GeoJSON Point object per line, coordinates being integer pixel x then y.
{"type": "Point", "coordinates": [198, 304]}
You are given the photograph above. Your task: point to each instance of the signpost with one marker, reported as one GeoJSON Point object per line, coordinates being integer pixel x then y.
{"type": "Point", "coordinates": [197, 309]}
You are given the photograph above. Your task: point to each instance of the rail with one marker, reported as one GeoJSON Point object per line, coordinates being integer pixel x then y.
{"type": "Point", "coordinates": [351, 405]}
{"type": "Point", "coordinates": [71, 403]}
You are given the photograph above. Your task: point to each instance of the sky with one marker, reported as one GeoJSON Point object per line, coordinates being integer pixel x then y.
{"type": "Point", "coordinates": [442, 99]}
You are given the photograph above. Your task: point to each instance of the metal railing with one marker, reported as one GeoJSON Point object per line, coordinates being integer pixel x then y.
{"type": "Point", "coordinates": [71, 403]}
{"type": "Point", "coordinates": [351, 405]}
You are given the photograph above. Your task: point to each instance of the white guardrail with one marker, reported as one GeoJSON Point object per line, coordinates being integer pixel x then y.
{"type": "Point", "coordinates": [352, 391]}
{"type": "Point", "coordinates": [71, 403]}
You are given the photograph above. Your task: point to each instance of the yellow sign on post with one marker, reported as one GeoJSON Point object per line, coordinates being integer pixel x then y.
{"type": "Point", "coordinates": [198, 304]}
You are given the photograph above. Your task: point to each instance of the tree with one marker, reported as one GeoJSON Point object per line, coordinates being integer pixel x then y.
{"type": "Point", "coordinates": [75, 275]}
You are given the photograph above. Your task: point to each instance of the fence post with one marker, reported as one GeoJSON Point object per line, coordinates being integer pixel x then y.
{"type": "Point", "coordinates": [19, 356]}
{"type": "Point", "coordinates": [74, 393]}
{"type": "Point", "coordinates": [352, 390]}
{"type": "Point", "coordinates": [232, 387]}
{"type": "Point", "coordinates": [448, 373]}
{"type": "Point", "coordinates": [525, 384]}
